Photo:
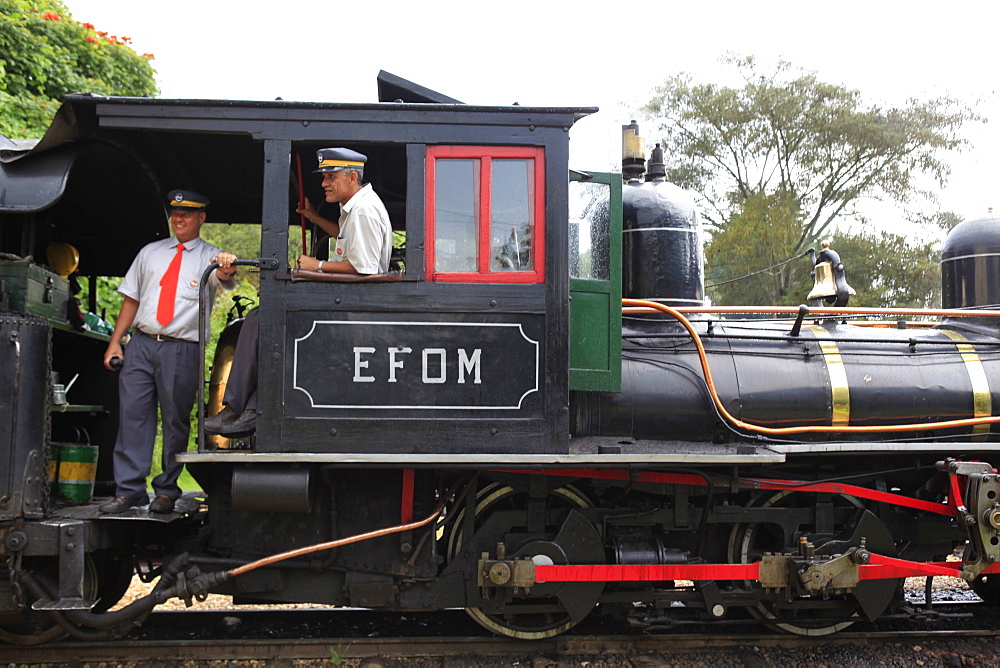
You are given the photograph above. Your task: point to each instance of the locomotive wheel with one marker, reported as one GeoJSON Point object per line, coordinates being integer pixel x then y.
{"type": "Point", "coordinates": [34, 627]}
{"type": "Point", "coordinates": [554, 607]}
{"type": "Point", "coordinates": [114, 576]}
{"type": "Point", "coordinates": [748, 543]}
{"type": "Point", "coordinates": [987, 587]}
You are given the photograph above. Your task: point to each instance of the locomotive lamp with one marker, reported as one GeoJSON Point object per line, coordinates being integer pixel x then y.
{"type": "Point", "coordinates": [63, 257]}
{"type": "Point", "coordinates": [633, 152]}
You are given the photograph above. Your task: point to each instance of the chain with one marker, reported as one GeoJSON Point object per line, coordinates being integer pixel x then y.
{"type": "Point", "coordinates": [13, 568]}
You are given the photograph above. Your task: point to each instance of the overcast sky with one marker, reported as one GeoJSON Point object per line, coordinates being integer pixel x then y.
{"type": "Point", "coordinates": [603, 54]}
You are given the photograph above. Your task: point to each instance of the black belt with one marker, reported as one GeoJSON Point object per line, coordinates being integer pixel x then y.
{"type": "Point", "coordinates": [163, 337]}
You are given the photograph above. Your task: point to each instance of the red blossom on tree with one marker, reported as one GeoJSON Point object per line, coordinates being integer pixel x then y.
{"type": "Point", "coordinates": [45, 54]}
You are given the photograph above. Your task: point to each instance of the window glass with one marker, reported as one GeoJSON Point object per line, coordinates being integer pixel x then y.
{"type": "Point", "coordinates": [589, 220]}
{"type": "Point", "coordinates": [456, 215]}
{"type": "Point", "coordinates": [511, 216]}
{"type": "Point", "coordinates": [485, 214]}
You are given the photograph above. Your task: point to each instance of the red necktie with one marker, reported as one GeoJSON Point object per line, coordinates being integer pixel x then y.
{"type": "Point", "coordinates": [168, 289]}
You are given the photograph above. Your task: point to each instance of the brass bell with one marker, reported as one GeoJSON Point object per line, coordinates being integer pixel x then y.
{"type": "Point", "coordinates": [824, 284]}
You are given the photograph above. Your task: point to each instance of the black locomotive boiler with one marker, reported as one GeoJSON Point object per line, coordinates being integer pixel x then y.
{"type": "Point", "coordinates": [490, 427]}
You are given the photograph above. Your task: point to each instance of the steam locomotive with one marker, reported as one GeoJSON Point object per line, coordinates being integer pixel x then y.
{"type": "Point", "coordinates": [493, 427]}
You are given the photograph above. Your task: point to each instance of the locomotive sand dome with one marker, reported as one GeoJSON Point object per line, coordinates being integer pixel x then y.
{"type": "Point", "coordinates": [970, 264]}
{"type": "Point", "coordinates": [662, 257]}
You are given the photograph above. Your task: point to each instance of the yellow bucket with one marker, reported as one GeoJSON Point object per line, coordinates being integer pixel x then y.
{"type": "Point", "coordinates": [72, 470]}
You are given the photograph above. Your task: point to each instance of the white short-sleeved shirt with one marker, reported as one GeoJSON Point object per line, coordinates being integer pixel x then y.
{"type": "Point", "coordinates": [142, 283]}
{"type": "Point", "coordinates": [365, 233]}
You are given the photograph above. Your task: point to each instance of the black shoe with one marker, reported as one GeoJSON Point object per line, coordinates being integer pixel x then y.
{"type": "Point", "coordinates": [213, 424]}
{"type": "Point", "coordinates": [246, 422]}
{"type": "Point", "coordinates": [120, 504]}
{"type": "Point", "coordinates": [162, 504]}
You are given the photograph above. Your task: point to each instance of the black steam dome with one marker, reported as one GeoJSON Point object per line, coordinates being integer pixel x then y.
{"type": "Point", "coordinates": [970, 264]}
{"type": "Point", "coordinates": [662, 257]}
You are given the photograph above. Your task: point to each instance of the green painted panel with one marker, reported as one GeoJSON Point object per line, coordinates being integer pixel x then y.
{"type": "Point", "coordinates": [589, 347]}
{"type": "Point", "coordinates": [595, 282]}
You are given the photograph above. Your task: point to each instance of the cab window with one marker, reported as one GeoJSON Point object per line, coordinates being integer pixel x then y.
{"type": "Point", "coordinates": [485, 214]}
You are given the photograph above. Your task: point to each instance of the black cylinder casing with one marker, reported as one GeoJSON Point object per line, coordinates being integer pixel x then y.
{"type": "Point", "coordinates": [662, 256]}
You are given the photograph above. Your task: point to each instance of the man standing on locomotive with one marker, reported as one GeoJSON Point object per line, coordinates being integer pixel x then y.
{"type": "Point", "coordinates": [162, 365]}
{"type": "Point", "coordinates": [364, 244]}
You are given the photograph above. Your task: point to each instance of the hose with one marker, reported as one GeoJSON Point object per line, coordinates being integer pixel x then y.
{"type": "Point", "coordinates": [822, 429]}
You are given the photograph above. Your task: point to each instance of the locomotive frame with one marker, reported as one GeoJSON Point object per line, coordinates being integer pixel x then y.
{"type": "Point", "coordinates": [481, 431]}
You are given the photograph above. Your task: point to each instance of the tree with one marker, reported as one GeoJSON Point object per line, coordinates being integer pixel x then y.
{"type": "Point", "coordinates": [758, 236]}
{"type": "Point", "coordinates": [886, 270]}
{"type": "Point", "coordinates": [45, 54]}
{"type": "Point", "coordinates": [816, 147]}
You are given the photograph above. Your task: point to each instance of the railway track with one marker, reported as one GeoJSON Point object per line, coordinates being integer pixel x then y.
{"type": "Point", "coordinates": [337, 636]}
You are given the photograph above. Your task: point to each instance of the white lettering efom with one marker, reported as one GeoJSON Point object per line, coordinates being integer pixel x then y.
{"type": "Point", "coordinates": [467, 364]}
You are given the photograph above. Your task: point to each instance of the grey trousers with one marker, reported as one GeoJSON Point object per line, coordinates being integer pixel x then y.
{"type": "Point", "coordinates": [241, 387]}
{"type": "Point", "coordinates": [154, 372]}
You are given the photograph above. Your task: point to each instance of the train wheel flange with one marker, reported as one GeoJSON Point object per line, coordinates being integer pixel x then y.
{"type": "Point", "coordinates": [987, 587]}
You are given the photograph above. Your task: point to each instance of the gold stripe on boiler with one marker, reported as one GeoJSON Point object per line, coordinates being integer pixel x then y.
{"type": "Point", "coordinates": [982, 399]}
{"type": "Point", "coordinates": [839, 390]}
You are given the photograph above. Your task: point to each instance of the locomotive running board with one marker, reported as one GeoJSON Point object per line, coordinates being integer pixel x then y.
{"type": "Point", "coordinates": [583, 452]}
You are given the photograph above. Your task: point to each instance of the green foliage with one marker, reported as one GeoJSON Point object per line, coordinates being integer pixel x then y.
{"type": "Point", "coordinates": [886, 270]}
{"type": "Point", "coordinates": [758, 235]}
{"type": "Point", "coordinates": [243, 241]}
{"type": "Point", "coordinates": [337, 653]}
{"type": "Point", "coordinates": [26, 115]}
{"type": "Point", "coordinates": [45, 54]}
{"type": "Point", "coordinates": [109, 300]}
{"type": "Point", "coordinates": [814, 148]}
{"type": "Point", "coordinates": [889, 271]}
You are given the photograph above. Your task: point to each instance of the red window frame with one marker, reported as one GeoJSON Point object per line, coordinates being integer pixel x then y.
{"type": "Point", "coordinates": [485, 155]}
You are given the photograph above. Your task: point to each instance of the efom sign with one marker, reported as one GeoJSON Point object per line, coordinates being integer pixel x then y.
{"type": "Point", "coordinates": [416, 365]}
